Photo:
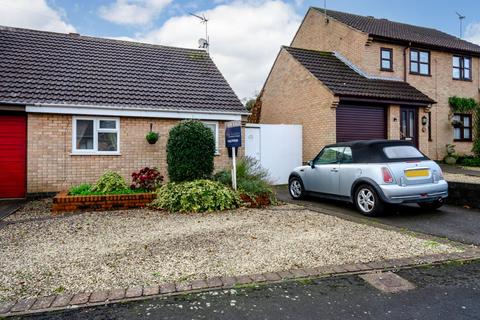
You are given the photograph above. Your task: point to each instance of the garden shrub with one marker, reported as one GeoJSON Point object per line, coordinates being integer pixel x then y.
{"type": "Point", "coordinates": [469, 161]}
{"type": "Point", "coordinates": [109, 182]}
{"type": "Point", "coordinates": [252, 179]}
{"type": "Point", "coordinates": [147, 179]}
{"type": "Point", "coordinates": [195, 196]}
{"type": "Point", "coordinates": [82, 189]}
{"type": "Point", "coordinates": [190, 151]}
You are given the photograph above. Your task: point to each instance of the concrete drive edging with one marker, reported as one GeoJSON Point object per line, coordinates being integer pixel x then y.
{"type": "Point", "coordinates": [87, 299]}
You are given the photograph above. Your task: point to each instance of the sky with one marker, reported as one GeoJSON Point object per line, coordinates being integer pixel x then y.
{"type": "Point", "coordinates": [245, 35]}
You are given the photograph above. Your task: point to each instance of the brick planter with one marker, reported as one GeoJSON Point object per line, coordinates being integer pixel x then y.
{"type": "Point", "coordinates": [260, 201]}
{"type": "Point", "coordinates": [62, 202]}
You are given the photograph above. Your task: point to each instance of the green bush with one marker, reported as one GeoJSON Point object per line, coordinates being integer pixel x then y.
{"type": "Point", "coordinates": [190, 151]}
{"type": "Point", "coordinates": [195, 196]}
{"type": "Point", "coordinates": [82, 189]}
{"type": "Point", "coordinates": [469, 161]}
{"type": "Point", "coordinates": [110, 182]}
{"type": "Point", "coordinates": [252, 179]}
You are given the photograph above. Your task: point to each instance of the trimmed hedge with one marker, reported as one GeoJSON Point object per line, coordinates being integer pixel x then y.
{"type": "Point", "coordinates": [190, 151]}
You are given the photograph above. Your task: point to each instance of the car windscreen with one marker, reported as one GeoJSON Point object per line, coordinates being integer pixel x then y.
{"type": "Point", "coordinates": [402, 152]}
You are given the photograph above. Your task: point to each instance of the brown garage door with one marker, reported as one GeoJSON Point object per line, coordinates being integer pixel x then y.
{"type": "Point", "coordinates": [360, 123]}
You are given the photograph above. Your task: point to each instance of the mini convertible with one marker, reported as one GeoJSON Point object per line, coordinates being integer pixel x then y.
{"type": "Point", "coordinates": [371, 174]}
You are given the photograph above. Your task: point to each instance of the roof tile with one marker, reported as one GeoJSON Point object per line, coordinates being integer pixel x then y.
{"type": "Point", "coordinates": [55, 68]}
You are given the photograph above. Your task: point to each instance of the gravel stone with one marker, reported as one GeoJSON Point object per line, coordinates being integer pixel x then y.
{"type": "Point", "coordinates": [96, 251]}
{"type": "Point", "coordinates": [457, 177]}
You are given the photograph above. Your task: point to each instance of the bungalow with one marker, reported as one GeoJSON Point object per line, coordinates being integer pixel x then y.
{"type": "Point", "coordinates": [73, 106]}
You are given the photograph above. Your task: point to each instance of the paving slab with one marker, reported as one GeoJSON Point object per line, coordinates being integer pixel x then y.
{"type": "Point", "coordinates": [388, 282]}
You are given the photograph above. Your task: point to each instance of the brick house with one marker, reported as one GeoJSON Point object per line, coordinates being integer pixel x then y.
{"type": "Point", "coordinates": [347, 77]}
{"type": "Point", "coordinates": [73, 106]}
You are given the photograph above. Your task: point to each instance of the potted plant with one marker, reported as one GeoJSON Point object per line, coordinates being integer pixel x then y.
{"type": "Point", "coordinates": [152, 137]}
{"type": "Point", "coordinates": [451, 157]}
{"type": "Point", "coordinates": [457, 123]}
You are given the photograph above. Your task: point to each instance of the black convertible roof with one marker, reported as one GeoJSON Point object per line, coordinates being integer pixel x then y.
{"type": "Point", "coordinates": [371, 151]}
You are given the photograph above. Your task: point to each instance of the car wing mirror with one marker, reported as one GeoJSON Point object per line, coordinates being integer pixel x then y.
{"type": "Point", "coordinates": [311, 164]}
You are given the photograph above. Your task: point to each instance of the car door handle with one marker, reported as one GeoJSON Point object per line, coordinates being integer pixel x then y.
{"type": "Point", "coordinates": [334, 170]}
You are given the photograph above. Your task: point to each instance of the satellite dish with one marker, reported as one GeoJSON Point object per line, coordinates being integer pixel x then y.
{"type": "Point", "coordinates": [203, 43]}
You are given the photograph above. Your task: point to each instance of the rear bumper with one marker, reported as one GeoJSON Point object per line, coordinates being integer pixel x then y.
{"type": "Point", "coordinates": [415, 194]}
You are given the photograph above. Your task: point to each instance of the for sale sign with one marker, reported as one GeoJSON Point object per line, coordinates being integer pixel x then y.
{"type": "Point", "coordinates": [233, 134]}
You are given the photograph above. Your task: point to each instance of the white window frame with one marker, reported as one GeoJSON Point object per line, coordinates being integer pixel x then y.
{"type": "Point", "coordinates": [217, 147]}
{"type": "Point", "coordinates": [96, 130]}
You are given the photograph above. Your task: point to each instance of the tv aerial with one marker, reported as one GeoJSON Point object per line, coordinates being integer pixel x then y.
{"type": "Point", "coordinates": [203, 43]}
{"type": "Point", "coordinates": [460, 18]}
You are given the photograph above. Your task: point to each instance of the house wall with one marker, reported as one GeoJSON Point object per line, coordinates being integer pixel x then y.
{"type": "Point", "coordinates": [52, 167]}
{"type": "Point", "coordinates": [355, 45]}
{"type": "Point", "coordinates": [292, 95]}
{"type": "Point", "coordinates": [439, 86]}
{"type": "Point", "coordinates": [315, 34]}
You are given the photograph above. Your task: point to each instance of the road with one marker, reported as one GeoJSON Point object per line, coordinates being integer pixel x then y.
{"type": "Point", "coordinates": [454, 223]}
{"type": "Point", "coordinates": [442, 292]}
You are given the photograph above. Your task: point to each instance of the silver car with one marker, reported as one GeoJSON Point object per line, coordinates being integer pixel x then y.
{"type": "Point", "coordinates": [371, 174]}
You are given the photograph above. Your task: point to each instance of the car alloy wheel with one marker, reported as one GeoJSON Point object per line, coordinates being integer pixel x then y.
{"type": "Point", "coordinates": [366, 200]}
{"type": "Point", "coordinates": [296, 188]}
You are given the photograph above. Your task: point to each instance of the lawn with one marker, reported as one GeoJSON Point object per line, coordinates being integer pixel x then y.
{"type": "Point", "coordinates": [41, 254]}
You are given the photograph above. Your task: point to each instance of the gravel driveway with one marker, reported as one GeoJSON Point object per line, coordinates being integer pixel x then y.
{"type": "Point", "coordinates": [41, 255]}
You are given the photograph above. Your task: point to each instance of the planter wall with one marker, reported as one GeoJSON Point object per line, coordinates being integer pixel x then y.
{"type": "Point", "coordinates": [259, 202]}
{"type": "Point", "coordinates": [62, 202]}
{"type": "Point", "coordinates": [464, 194]}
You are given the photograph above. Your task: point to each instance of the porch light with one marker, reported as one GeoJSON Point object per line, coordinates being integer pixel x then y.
{"type": "Point", "coordinates": [424, 120]}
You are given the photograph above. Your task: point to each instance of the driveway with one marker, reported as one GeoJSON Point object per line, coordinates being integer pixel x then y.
{"type": "Point", "coordinates": [454, 223]}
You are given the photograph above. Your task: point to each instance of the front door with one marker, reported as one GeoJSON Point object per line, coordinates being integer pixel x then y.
{"type": "Point", "coordinates": [409, 125]}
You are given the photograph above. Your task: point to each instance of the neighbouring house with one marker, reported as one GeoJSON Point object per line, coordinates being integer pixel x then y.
{"type": "Point", "coordinates": [73, 106]}
{"type": "Point", "coordinates": [347, 77]}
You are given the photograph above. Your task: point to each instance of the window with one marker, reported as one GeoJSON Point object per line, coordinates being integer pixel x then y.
{"type": "Point", "coordinates": [95, 136]}
{"type": "Point", "coordinates": [461, 68]}
{"type": "Point", "coordinates": [386, 59]}
{"type": "Point", "coordinates": [402, 152]}
{"type": "Point", "coordinates": [463, 131]}
{"type": "Point", "coordinates": [214, 127]}
{"type": "Point", "coordinates": [420, 62]}
{"type": "Point", "coordinates": [329, 155]}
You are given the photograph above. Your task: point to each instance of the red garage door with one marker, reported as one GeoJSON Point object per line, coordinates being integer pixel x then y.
{"type": "Point", "coordinates": [13, 131]}
{"type": "Point", "coordinates": [360, 123]}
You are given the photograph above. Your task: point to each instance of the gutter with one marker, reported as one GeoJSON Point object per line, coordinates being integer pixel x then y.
{"type": "Point", "coordinates": [86, 106]}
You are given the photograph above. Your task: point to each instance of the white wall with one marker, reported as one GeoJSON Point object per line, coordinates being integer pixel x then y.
{"type": "Point", "coordinates": [278, 147]}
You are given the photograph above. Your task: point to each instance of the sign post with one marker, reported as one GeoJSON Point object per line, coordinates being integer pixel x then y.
{"type": "Point", "coordinates": [233, 140]}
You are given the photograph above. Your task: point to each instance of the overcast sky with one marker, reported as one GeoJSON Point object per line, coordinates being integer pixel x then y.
{"type": "Point", "coordinates": [245, 35]}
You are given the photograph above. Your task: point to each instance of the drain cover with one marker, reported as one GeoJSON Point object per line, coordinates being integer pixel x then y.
{"type": "Point", "coordinates": [388, 282]}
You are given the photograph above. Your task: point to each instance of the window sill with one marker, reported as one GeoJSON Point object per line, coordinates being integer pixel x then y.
{"type": "Point", "coordinates": [462, 140]}
{"type": "Point", "coordinates": [95, 154]}
{"type": "Point", "coordinates": [420, 74]}
{"type": "Point", "coordinates": [386, 70]}
{"type": "Point", "coordinates": [465, 80]}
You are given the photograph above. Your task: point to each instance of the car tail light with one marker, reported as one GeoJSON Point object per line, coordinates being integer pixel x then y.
{"type": "Point", "coordinates": [387, 176]}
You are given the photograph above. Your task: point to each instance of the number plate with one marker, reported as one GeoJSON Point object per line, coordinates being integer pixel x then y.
{"type": "Point", "coordinates": [417, 173]}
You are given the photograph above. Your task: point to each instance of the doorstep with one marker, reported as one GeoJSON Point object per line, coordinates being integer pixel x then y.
{"type": "Point", "coordinates": [88, 299]}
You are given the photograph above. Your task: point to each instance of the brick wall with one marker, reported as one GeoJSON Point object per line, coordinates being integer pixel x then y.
{"type": "Point", "coordinates": [292, 95]}
{"type": "Point", "coordinates": [52, 167]}
{"type": "Point", "coordinates": [316, 34]}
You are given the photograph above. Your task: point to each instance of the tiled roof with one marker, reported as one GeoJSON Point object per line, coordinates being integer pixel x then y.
{"type": "Point", "coordinates": [55, 68]}
{"type": "Point", "coordinates": [342, 80]}
{"type": "Point", "coordinates": [404, 32]}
